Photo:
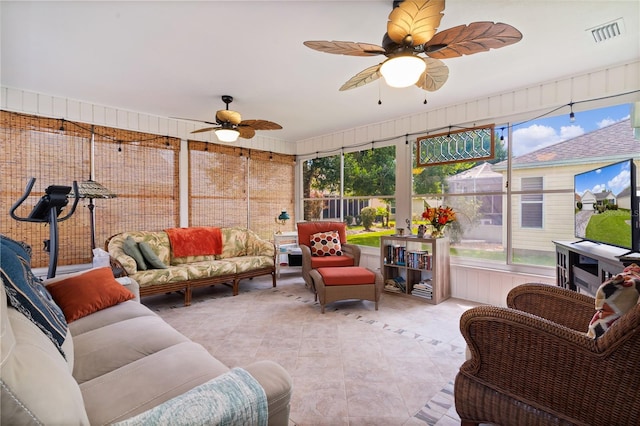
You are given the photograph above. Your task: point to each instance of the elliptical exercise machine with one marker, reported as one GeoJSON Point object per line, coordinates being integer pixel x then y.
{"type": "Point", "coordinates": [47, 210]}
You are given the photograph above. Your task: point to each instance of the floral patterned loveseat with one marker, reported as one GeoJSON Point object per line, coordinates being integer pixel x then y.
{"type": "Point", "coordinates": [243, 254]}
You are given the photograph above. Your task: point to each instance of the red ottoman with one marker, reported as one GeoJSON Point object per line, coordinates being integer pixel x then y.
{"type": "Point", "coordinates": [346, 282]}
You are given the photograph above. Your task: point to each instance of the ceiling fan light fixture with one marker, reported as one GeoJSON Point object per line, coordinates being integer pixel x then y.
{"type": "Point", "coordinates": [402, 71]}
{"type": "Point", "coordinates": [227, 135]}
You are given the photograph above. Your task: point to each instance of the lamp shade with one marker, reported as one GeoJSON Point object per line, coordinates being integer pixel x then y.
{"type": "Point", "coordinates": [402, 71]}
{"type": "Point", "coordinates": [227, 135]}
{"type": "Point", "coordinates": [92, 189]}
{"type": "Point", "coordinates": [284, 216]}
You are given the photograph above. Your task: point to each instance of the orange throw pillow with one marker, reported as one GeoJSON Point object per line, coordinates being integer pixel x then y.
{"type": "Point", "coordinates": [84, 294]}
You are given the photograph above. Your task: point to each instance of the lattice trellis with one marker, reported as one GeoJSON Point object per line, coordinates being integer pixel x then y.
{"type": "Point", "coordinates": [456, 146]}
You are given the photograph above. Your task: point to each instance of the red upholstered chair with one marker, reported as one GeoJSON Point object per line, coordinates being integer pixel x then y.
{"type": "Point", "coordinates": [350, 253]}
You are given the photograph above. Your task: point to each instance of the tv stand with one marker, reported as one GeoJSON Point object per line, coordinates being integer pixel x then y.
{"type": "Point", "coordinates": [583, 265]}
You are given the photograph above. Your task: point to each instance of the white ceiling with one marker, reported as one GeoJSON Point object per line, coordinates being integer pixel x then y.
{"type": "Point", "coordinates": [176, 58]}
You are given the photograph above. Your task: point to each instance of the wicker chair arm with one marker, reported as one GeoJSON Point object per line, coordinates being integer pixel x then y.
{"type": "Point", "coordinates": [557, 304]}
{"type": "Point", "coordinates": [306, 266]}
{"type": "Point", "coordinates": [547, 365]}
{"type": "Point", "coordinates": [353, 251]}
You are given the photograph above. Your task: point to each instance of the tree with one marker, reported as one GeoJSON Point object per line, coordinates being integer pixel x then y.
{"type": "Point", "coordinates": [370, 172]}
{"type": "Point", "coordinates": [319, 175]}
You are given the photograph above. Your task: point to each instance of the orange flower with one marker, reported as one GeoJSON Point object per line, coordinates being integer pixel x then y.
{"type": "Point", "coordinates": [439, 217]}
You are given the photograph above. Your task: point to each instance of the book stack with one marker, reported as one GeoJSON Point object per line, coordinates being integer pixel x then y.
{"type": "Point", "coordinates": [423, 289]}
{"type": "Point", "coordinates": [397, 285]}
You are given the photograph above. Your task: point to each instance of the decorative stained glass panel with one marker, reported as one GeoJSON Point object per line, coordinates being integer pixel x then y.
{"type": "Point", "coordinates": [456, 146]}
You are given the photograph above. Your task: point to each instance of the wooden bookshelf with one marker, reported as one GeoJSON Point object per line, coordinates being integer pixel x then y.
{"type": "Point", "coordinates": [419, 267]}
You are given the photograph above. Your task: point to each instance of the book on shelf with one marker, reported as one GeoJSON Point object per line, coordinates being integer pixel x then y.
{"type": "Point", "coordinates": [418, 259]}
{"type": "Point", "coordinates": [395, 254]}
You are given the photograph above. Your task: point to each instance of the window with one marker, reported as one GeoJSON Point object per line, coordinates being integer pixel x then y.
{"type": "Point", "coordinates": [338, 187]}
{"type": "Point", "coordinates": [531, 204]}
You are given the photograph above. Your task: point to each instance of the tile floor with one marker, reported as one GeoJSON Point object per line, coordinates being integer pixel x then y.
{"type": "Point", "coordinates": [351, 366]}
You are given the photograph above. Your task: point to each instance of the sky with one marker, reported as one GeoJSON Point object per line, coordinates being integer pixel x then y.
{"type": "Point", "coordinates": [536, 134]}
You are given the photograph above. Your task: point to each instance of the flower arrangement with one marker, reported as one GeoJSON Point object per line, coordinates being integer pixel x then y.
{"type": "Point", "coordinates": [438, 218]}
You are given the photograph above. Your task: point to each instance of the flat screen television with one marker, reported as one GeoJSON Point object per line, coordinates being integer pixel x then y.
{"type": "Point", "coordinates": [606, 205]}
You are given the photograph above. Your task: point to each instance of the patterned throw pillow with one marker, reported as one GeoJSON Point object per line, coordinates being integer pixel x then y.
{"type": "Point", "coordinates": [27, 294]}
{"type": "Point", "coordinates": [326, 244]}
{"type": "Point", "coordinates": [614, 298]}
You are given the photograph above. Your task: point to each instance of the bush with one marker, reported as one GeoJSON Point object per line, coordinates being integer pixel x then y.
{"type": "Point", "coordinates": [368, 216]}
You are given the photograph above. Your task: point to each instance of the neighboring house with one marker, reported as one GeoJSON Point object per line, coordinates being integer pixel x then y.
{"type": "Point", "coordinates": [605, 197]}
{"type": "Point", "coordinates": [540, 219]}
{"type": "Point", "coordinates": [624, 198]}
{"type": "Point", "coordinates": [588, 201]}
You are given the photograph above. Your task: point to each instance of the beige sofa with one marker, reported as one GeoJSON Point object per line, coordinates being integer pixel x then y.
{"type": "Point", "coordinates": [122, 363]}
{"type": "Point", "coordinates": [243, 255]}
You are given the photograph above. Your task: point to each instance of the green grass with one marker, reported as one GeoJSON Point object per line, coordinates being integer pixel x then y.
{"type": "Point", "coordinates": [612, 226]}
{"type": "Point", "coordinates": [370, 239]}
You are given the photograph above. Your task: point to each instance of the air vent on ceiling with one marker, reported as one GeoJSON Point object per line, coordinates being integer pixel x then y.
{"type": "Point", "coordinates": [607, 31]}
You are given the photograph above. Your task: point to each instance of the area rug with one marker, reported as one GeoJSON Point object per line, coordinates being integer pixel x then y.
{"type": "Point", "coordinates": [352, 365]}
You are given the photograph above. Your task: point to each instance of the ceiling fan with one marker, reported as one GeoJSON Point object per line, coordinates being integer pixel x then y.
{"type": "Point", "coordinates": [229, 124]}
{"type": "Point", "coordinates": [411, 31]}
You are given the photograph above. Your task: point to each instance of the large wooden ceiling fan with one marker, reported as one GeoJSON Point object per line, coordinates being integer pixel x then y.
{"type": "Point", "coordinates": [229, 124]}
{"type": "Point", "coordinates": [412, 31]}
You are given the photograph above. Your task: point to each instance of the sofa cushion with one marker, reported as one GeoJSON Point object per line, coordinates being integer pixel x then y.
{"type": "Point", "coordinates": [307, 229]}
{"type": "Point", "coordinates": [150, 256]}
{"type": "Point", "coordinates": [120, 312]}
{"type": "Point", "coordinates": [130, 247]}
{"type": "Point", "coordinates": [233, 398]}
{"type": "Point", "coordinates": [234, 242]}
{"type": "Point", "coordinates": [27, 294]}
{"type": "Point", "coordinates": [614, 298]}
{"type": "Point", "coordinates": [37, 387]}
{"type": "Point", "coordinates": [251, 263]}
{"type": "Point", "coordinates": [351, 275]}
{"type": "Point", "coordinates": [86, 293]}
{"type": "Point", "coordinates": [113, 346]}
{"type": "Point", "coordinates": [329, 261]}
{"type": "Point", "coordinates": [325, 244]}
{"type": "Point", "coordinates": [121, 394]}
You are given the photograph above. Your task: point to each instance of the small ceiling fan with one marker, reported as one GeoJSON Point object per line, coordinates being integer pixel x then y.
{"type": "Point", "coordinates": [411, 31]}
{"type": "Point", "coordinates": [229, 124]}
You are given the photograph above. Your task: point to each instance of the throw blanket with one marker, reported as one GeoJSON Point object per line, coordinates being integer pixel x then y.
{"type": "Point", "coordinates": [195, 241]}
{"type": "Point", "coordinates": [234, 398]}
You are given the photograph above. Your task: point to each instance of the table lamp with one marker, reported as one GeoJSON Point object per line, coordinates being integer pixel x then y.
{"type": "Point", "coordinates": [282, 219]}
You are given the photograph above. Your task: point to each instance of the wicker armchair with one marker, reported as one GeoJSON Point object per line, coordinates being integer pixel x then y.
{"type": "Point", "coordinates": [532, 363]}
{"type": "Point", "coordinates": [351, 252]}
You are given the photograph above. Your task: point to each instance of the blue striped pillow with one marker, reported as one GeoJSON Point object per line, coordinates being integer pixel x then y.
{"type": "Point", "coordinates": [27, 294]}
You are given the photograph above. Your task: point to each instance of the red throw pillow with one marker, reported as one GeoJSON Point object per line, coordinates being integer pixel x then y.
{"type": "Point", "coordinates": [84, 294]}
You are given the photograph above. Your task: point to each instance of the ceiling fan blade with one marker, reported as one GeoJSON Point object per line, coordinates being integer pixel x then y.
{"type": "Point", "coordinates": [363, 77]}
{"type": "Point", "coordinates": [192, 119]}
{"type": "Point", "coordinates": [206, 129]}
{"type": "Point", "coordinates": [418, 18]}
{"type": "Point", "coordinates": [260, 124]}
{"type": "Point", "coordinates": [246, 132]}
{"type": "Point", "coordinates": [228, 116]}
{"type": "Point", "coordinates": [345, 48]}
{"type": "Point", "coordinates": [473, 38]}
{"type": "Point", "coordinates": [435, 76]}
